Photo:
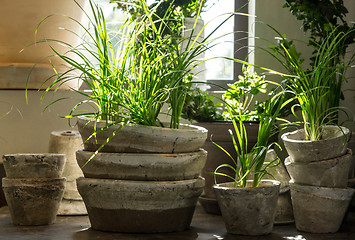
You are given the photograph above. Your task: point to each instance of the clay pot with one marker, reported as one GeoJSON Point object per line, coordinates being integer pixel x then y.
{"type": "Point", "coordinates": [218, 132]}
{"type": "Point", "coordinates": [28, 165]}
{"type": "Point", "coordinates": [19, 20]}
{"type": "Point", "coordinates": [140, 206]}
{"type": "Point", "coordinates": [326, 173]}
{"type": "Point", "coordinates": [333, 144]}
{"type": "Point", "coordinates": [33, 201]}
{"type": "Point", "coordinates": [319, 209]}
{"type": "Point", "coordinates": [138, 138]}
{"type": "Point", "coordinates": [250, 210]}
{"type": "Point", "coordinates": [142, 166]}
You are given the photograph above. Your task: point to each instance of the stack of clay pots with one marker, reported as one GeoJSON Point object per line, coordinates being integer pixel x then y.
{"type": "Point", "coordinates": [145, 179]}
{"type": "Point", "coordinates": [68, 142]}
{"type": "Point", "coordinates": [319, 178]}
{"type": "Point", "coordinates": [33, 187]}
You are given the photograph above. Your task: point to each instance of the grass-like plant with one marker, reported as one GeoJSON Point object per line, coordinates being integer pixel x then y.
{"type": "Point", "coordinates": [132, 79]}
{"type": "Point", "coordinates": [251, 164]}
{"type": "Point", "coordinates": [314, 89]}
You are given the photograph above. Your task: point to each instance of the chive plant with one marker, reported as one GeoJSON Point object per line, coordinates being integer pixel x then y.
{"type": "Point", "coordinates": [314, 88]}
{"type": "Point", "coordinates": [130, 81]}
{"type": "Point", "coordinates": [251, 164]}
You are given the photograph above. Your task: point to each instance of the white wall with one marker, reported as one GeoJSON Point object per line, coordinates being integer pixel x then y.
{"type": "Point", "coordinates": [271, 12]}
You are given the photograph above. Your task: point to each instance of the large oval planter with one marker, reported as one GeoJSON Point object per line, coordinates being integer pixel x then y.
{"type": "Point", "coordinates": [28, 165]}
{"type": "Point", "coordinates": [140, 206]}
{"type": "Point", "coordinates": [326, 173]}
{"type": "Point", "coordinates": [333, 144]}
{"type": "Point", "coordinates": [137, 138]}
{"type": "Point", "coordinates": [33, 201]}
{"type": "Point", "coordinates": [142, 166]}
{"type": "Point", "coordinates": [319, 209]}
{"type": "Point", "coordinates": [250, 210]}
{"type": "Point", "coordinates": [19, 20]}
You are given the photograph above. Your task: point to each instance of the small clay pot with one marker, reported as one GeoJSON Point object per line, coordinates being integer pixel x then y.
{"type": "Point", "coordinates": [33, 201]}
{"type": "Point", "coordinates": [249, 210]}
{"type": "Point", "coordinates": [28, 165]}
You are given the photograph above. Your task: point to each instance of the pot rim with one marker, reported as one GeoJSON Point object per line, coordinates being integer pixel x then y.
{"type": "Point", "coordinates": [270, 183]}
{"type": "Point", "coordinates": [185, 127]}
{"type": "Point", "coordinates": [285, 136]}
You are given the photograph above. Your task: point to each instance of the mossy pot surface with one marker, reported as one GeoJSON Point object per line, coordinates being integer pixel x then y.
{"type": "Point", "coordinates": [28, 165]}
{"type": "Point", "coordinates": [249, 210]}
{"type": "Point", "coordinates": [137, 138]}
{"type": "Point", "coordinates": [333, 144]}
{"type": "Point", "coordinates": [140, 206]}
{"type": "Point", "coordinates": [142, 166]}
{"type": "Point", "coordinates": [319, 209]}
{"type": "Point", "coordinates": [33, 201]}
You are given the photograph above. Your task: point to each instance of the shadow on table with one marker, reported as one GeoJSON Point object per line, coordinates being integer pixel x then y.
{"type": "Point", "coordinates": [90, 234]}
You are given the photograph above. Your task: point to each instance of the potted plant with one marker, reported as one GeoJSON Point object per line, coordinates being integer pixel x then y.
{"type": "Point", "coordinates": [248, 206]}
{"type": "Point", "coordinates": [318, 146]}
{"type": "Point", "coordinates": [128, 89]}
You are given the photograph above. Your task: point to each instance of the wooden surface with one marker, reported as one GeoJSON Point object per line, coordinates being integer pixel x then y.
{"type": "Point", "coordinates": [204, 227]}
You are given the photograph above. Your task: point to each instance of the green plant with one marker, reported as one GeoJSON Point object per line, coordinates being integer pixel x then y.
{"type": "Point", "coordinates": [133, 82]}
{"type": "Point", "coordinates": [185, 8]}
{"type": "Point", "coordinates": [240, 95]}
{"type": "Point", "coordinates": [199, 106]}
{"type": "Point", "coordinates": [325, 20]}
{"type": "Point", "coordinates": [252, 165]}
{"type": "Point", "coordinates": [314, 88]}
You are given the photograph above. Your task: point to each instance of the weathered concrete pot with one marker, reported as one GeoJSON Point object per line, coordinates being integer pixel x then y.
{"type": "Point", "coordinates": [143, 166]}
{"type": "Point", "coordinates": [326, 173]}
{"type": "Point", "coordinates": [140, 206]}
{"type": "Point", "coordinates": [248, 211]}
{"type": "Point", "coordinates": [284, 210]}
{"type": "Point", "coordinates": [33, 201]}
{"type": "Point", "coordinates": [319, 209]}
{"type": "Point", "coordinates": [219, 132]}
{"type": "Point", "coordinates": [137, 138]}
{"type": "Point", "coordinates": [28, 165]}
{"type": "Point", "coordinates": [333, 144]}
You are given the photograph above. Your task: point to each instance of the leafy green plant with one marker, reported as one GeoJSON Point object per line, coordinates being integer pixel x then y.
{"type": "Point", "coordinates": [133, 82]}
{"type": "Point", "coordinates": [185, 8]}
{"type": "Point", "coordinates": [199, 106]}
{"type": "Point", "coordinates": [252, 164]}
{"type": "Point", "coordinates": [325, 20]}
{"type": "Point", "coordinates": [314, 88]}
{"type": "Point", "coordinates": [240, 95]}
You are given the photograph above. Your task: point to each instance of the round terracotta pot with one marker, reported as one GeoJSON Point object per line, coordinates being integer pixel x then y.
{"type": "Point", "coordinates": [28, 165]}
{"type": "Point", "coordinates": [142, 166]}
{"type": "Point", "coordinates": [19, 20]}
{"type": "Point", "coordinates": [326, 173]}
{"type": "Point", "coordinates": [319, 209]}
{"type": "Point", "coordinates": [33, 201]}
{"type": "Point", "coordinates": [140, 206]}
{"type": "Point", "coordinates": [138, 138]}
{"type": "Point", "coordinates": [250, 210]}
{"type": "Point", "coordinates": [333, 144]}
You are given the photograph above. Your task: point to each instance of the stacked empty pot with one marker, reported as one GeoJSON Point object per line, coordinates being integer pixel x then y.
{"type": "Point", "coordinates": [33, 187]}
{"type": "Point", "coordinates": [319, 178]}
{"type": "Point", "coordinates": [145, 179]}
